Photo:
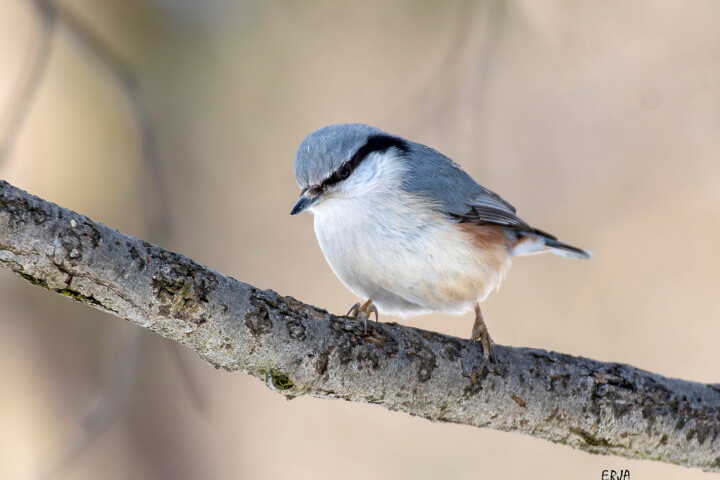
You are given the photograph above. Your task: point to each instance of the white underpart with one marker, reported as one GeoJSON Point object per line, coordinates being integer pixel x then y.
{"type": "Point", "coordinates": [393, 248]}
{"type": "Point", "coordinates": [532, 245]}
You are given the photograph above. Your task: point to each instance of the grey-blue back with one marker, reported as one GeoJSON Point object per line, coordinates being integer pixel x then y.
{"type": "Point", "coordinates": [429, 174]}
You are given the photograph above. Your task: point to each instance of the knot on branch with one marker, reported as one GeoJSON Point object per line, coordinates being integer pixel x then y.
{"type": "Point", "coordinates": [19, 210]}
{"type": "Point", "coordinates": [183, 291]}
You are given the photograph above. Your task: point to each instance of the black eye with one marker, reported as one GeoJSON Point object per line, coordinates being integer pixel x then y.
{"type": "Point", "coordinates": [343, 172]}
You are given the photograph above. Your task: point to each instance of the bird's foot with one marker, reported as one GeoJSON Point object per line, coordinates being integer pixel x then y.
{"type": "Point", "coordinates": [480, 332]}
{"type": "Point", "coordinates": [361, 312]}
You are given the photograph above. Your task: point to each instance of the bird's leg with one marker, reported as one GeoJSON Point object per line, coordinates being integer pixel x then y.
{"type": "Point", "coordinates": [361, 312]}
{"type": "Point", "coordinates": [480, 332]}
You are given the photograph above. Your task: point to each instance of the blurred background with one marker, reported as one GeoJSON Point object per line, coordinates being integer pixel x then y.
{"type": "Point", "coordinates": [177, 121]}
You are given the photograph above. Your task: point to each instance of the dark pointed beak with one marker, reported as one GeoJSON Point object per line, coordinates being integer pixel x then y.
{"type": "Point", "coordinates": [305, 201]}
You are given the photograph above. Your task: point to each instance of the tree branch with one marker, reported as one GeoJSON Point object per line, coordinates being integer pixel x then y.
{"type": "Point", "coordinates": [298, 349]}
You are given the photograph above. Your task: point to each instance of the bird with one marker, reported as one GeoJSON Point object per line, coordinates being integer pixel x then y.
{"type": "Point", "coordinates": [406, 229]}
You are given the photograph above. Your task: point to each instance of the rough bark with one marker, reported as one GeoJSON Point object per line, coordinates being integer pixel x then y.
{"type": "Point", "coordinates": [298, 349]}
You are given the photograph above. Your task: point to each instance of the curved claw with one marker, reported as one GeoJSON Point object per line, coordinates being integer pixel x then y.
{"type": "Point", "coordinates": [354, 310]}
{"type": "Point", "coordinates": [372, 309]}
{"type": "Point", "coordinates": [361, 312]}
{"type": "Point", "coordinates": [363, 317]}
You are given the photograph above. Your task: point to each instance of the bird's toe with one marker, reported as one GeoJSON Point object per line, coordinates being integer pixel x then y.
{"type": "Point", "coordinates": [353, 310]}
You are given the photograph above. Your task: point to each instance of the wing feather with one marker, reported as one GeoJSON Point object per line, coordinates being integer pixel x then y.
{"type": "Point", "coordinates": [454, 192]}
{"type": "Point", "coordinates": [457, 195]}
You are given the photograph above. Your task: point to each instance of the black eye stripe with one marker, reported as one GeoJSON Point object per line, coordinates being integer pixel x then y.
{"type": "Point", "coordinates": [374, 144]}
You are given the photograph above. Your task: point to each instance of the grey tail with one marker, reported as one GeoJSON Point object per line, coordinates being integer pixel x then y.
{"type": "Point", "coordinates": [565, 250]}
{"type": "Point", "coordinates": [537, 241]}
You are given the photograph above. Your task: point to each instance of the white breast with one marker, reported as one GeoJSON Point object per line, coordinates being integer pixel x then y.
{"type": "Point", "coordinates": [397, 250]}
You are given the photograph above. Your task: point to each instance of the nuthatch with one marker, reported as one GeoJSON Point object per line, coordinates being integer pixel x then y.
{"type": "Point", "coordinates": [406, 228]}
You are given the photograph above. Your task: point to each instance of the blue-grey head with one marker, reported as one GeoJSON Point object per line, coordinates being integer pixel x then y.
{"type": "Point", "coordinates": [328, 159]}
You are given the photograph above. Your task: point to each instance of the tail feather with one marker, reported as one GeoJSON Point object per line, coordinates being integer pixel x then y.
{"type": "Point", "coordinates": [565, 250]}
{"type": "Point", "coordinates": [531, 243]}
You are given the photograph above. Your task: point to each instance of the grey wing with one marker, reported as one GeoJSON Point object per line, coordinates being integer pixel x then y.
{"type": "Point", "coordinates": [436, 176]}
{"type": "Point", "coordinates": [488, 207]}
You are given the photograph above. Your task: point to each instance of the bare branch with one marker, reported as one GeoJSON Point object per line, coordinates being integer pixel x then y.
{"type": "Point", "coordinates": [104, 411]}
{"type": "Point", "coordinates": [123, 73]}
{"type": "Point", "coordinates": [298, 349]}
{"type": "Point", "coordinates": [20, 105]}
{"type": "Point", "coordinates": [110, 402]}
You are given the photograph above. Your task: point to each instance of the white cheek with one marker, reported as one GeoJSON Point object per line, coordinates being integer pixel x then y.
{"type": "Point", "coordinates": [379, 174]}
